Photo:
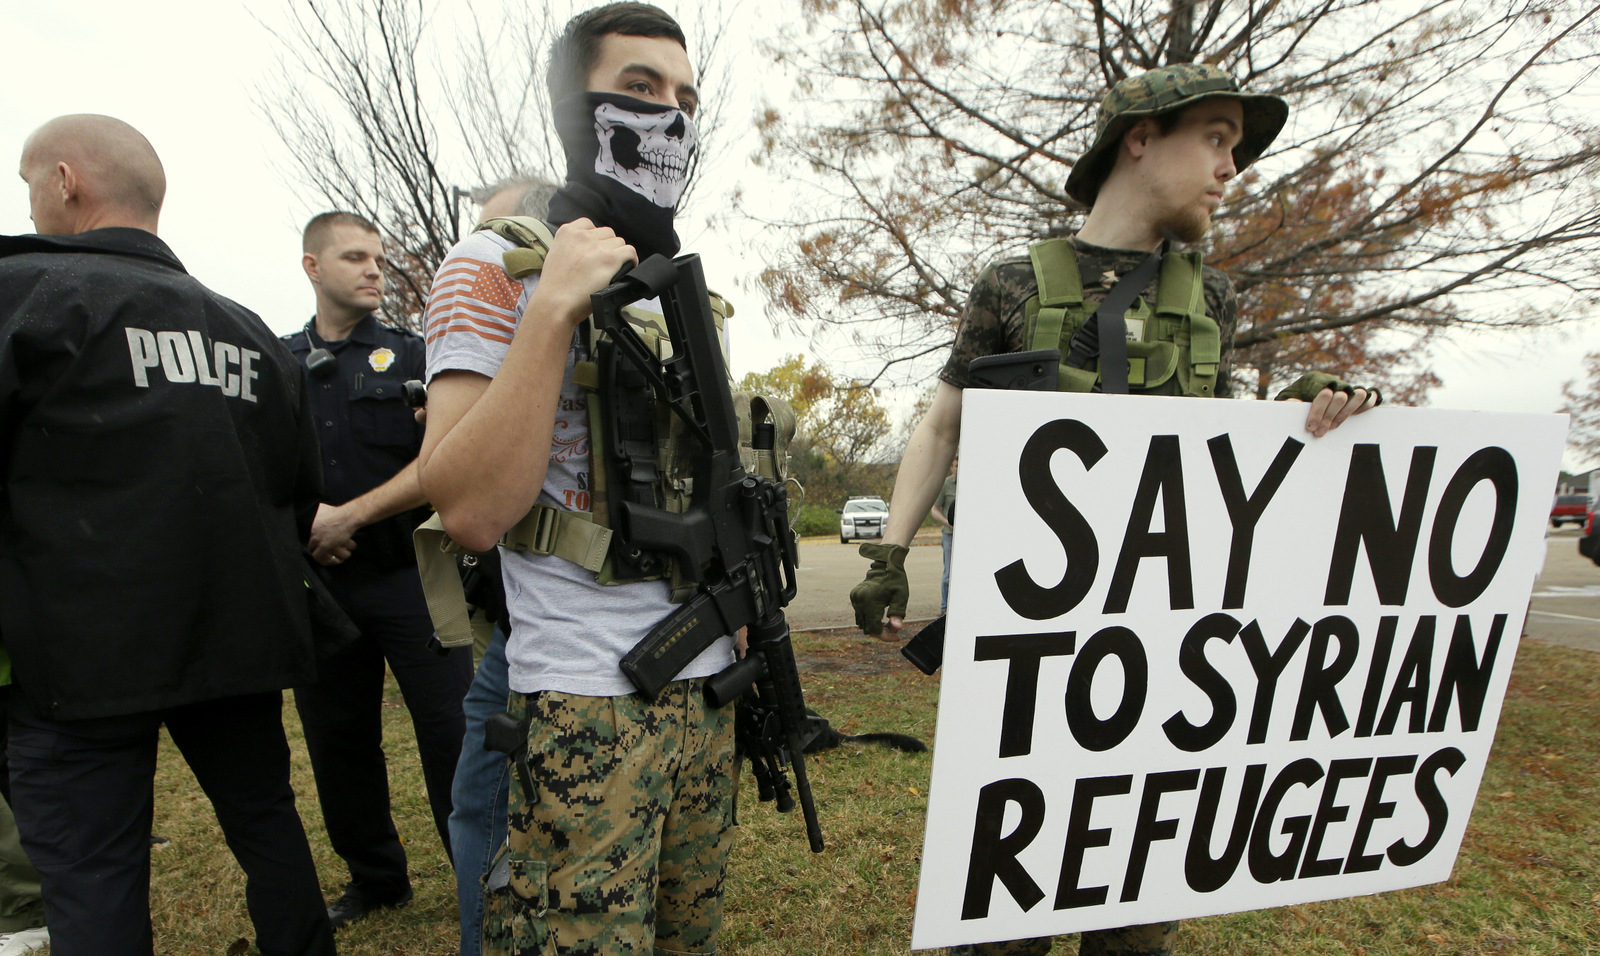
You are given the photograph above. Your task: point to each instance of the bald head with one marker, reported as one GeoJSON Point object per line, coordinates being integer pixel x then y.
{"type": "Point", "coordinates": [88, 172]}
{"type": "Point", "coordinates": [517, 196]}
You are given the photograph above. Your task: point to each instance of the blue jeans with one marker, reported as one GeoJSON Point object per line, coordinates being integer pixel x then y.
{"type": "Point", "coordinates": [944, 585]}
{"type": "Point", "coordinates": [478, 795]}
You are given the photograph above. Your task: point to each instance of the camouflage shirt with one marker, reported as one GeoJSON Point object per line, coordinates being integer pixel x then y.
{"type": "Point", "coordinates": [996, 312]}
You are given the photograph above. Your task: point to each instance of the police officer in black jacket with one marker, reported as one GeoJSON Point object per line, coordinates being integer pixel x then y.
{"type": "Point", "coordinates": [159, 471]}
{"type": "Point", "coordinates": [355, 367]}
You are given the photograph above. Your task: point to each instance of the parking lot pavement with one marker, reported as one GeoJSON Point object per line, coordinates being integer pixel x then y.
{"type": "Point", "coordinates": [1566, 598]}
{"type": "Point", "coordinates": [828, 570]}
{"type": "Point", "coordinates": [1565, 607]}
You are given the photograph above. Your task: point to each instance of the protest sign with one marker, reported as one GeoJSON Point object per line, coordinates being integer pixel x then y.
{"type": "Point", "coordinates": [1199, 661]}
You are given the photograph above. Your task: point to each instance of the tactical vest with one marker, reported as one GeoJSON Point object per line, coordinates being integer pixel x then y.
{"type": "Point", "coordinates": [1174, 349]}
{"type": "Point", "coordinates": [663, 458]}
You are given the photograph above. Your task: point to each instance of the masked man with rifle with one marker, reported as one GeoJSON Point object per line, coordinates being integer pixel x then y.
{"type": "Point", "coordinates": [1127, 313]}
{"type": "Point", "coordinates": [621, 808]}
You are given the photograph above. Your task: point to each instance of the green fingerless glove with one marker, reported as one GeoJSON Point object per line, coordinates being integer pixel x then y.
{"type": "Point", "coordinates": [885, 590]}
{"type": "Point", "coordinates": [1307, 386]}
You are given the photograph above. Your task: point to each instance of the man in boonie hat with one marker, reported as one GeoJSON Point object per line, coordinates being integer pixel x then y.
{"type": "Point", "coordinates": [1164, 95]}
{"type": "Point", "coordinates": [1166, 144]}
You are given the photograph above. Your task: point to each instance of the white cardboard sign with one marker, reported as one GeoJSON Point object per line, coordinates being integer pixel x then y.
{"type": "Point", "coordinates": [1199, 661]}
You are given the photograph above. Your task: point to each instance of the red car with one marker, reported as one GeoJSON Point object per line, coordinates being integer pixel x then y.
{"type": "Point", "coordinates": [1573, 508]}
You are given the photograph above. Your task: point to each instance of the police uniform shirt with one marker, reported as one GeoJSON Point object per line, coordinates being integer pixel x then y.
{"type": "Point", "coordinates": [367, 431]}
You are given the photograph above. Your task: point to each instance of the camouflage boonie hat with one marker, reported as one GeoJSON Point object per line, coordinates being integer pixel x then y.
{"type": "Point", "coordinates": [1159, 91]}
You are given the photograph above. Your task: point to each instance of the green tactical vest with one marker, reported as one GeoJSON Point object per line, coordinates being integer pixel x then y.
{"type": "Point", "coordinates": [1174, 349]}
{"type": "Point", "coordinates": [583, 537]}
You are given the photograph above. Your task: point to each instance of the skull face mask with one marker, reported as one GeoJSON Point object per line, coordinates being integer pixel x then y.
{"type": "Point", "coordinates": [647, 152]}
{"type": "Point", "coordinates": [628, 162]}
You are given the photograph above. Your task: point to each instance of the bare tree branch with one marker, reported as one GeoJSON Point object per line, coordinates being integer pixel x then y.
{"type": "Point", "coordinates": [1441, 160]}
{"type": "Point", "coordinates": [359, 87]}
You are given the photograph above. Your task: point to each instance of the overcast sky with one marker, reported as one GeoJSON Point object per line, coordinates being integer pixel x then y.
{"type": "Point", "coordinates": [184, 73]}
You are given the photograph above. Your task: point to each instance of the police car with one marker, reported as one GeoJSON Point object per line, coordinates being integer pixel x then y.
{"type": "Point", "coordinates": [863, 516]}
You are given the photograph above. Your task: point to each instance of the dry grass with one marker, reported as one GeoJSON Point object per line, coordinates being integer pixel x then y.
{"type": "Point", "coordinates": [1522, 885]}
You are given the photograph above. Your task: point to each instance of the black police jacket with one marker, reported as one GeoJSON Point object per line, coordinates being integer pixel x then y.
{"type": "Point", "coordinates": [160, 473]}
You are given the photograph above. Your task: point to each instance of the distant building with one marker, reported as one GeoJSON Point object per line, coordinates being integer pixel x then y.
{"type": "Point", "coordinates": [1583, 483]}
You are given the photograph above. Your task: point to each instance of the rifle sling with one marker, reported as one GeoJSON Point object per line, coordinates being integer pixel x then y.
{"type": "Point", "coordinates": [1106, 333]}
{"type": "Point", "coordinates": [543, 530]}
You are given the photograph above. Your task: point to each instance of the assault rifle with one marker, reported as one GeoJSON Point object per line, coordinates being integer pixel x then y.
{"type": "Point", "coordinates": [732, 543]}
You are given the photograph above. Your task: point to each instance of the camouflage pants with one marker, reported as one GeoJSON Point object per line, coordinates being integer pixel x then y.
{"type": "Point", "coordinates": [624, 849]}
{"type": "Point", "coordinates": [1151, 939]}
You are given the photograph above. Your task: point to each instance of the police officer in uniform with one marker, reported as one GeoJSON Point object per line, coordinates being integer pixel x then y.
{"type": "Point", "coordinates": [355, 369]}
{"type": "Point", "coordinates": [157, 473]}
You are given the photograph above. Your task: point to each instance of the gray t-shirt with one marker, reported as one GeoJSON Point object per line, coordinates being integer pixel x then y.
{"type": "Point", "coordinates": [946, 502]}
{"type": "Point", "coordinates": [568, 633]}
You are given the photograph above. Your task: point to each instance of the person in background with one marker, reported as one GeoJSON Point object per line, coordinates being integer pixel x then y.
{"type": "Point", "coordinates": [355, 367]}
{"type": "Point", "coordinates": [478, 798]}
{"type": "Point", "coordinates": [22, 927]}
{"type": "Point", "coordinates": [944, 512]}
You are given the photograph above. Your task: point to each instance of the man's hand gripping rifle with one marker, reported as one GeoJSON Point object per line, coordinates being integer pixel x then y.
{"type": "Point", "coordinates": [733, 541]}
